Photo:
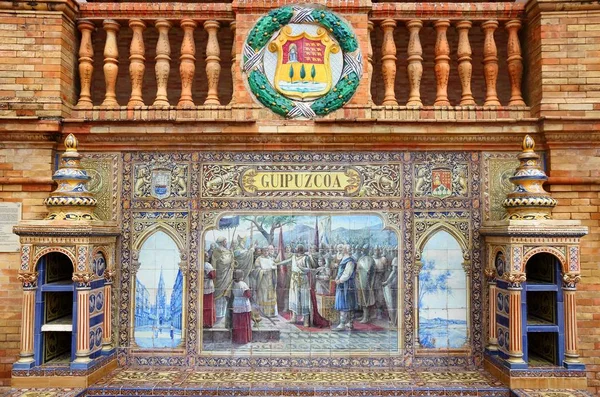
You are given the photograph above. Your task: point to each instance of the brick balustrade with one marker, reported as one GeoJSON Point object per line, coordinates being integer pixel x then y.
{"type": "Point", "coordinates": [473, 66]}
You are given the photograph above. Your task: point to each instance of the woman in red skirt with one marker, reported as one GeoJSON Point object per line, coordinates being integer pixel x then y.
{"type": "Point", "coordinates": [242, 310]}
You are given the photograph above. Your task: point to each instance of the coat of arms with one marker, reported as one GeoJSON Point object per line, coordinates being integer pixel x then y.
{"type": "Point", "coordinates": [441, 182]}
{"type": "Point", "coordinates": [302, 61]}
{"type": "Point", "coordinates": [303, 69]}
{"type": "Point", "coordinates": [161, 183]}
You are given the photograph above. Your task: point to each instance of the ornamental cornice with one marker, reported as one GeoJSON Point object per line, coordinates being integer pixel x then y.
{"type": "Point", "coordinates": [342, 6]}
{"type": "Point", "coordinates": [68, 7]}
{"type": "Point", "coordinates": [156, 10]}
{"type": "Point", "coordinates": [535, 228]}
{"type": "Point", "coordinates": [67, 229]}
{"type": "Point", "coordinates": [535, 7]}
{"type": "Point", "coordinates": [453, 11]}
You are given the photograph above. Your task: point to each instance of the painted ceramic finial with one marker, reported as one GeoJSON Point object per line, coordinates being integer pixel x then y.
{"type": "Point", "coordinates": [529, 200]}
{"type": "Point", "coordinates": [71, 200]}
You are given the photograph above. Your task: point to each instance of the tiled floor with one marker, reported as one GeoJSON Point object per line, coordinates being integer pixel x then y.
{"type": "Point", "coordinates": [142, 382]}
{"type": "Point", "coordinates": [550, 393]}
{"type": "Point", "coordinates": [189, 382]}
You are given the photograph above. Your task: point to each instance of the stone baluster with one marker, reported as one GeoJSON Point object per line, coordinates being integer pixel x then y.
{"type": "Point", "coordinates": [465, 68]}
{"type": "Point", "coordinates": [111, 62]}
{"type": "Point", "coordinates": [415, 62]}
{"type": "Point", "coordinates": [26, 356]}
{"type": "Point", "coordinates": [569, 290]}
{"type": "Point", "coordinates": [515, 63]}
{"type": "Point", "coordinates": [187, 66]}
{"type": "Point", "coordinates": [137, 67]}
{"type": "Point", "coordinates": [232, 27]}
{"type": "Point", "coordinates": [213, 63]}
{"type": "Point", "coordinates": [490, 63]}
{"type": "Point", "coordinates": [86, 63]}
{"type": "Point", "coordinates": [370, 27]}
{"type": "Point", "coordinates": [163, 62]}
{"type": "Point", "coordinates": [442, 62]}
{"type": "Point", "coordinates": [388, 59]}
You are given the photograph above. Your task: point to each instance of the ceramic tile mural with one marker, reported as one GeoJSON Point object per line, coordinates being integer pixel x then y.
{"type": "Point", "coordinates": [442, 296]}
{"type": "Point", "coordinates": [252, 211]}
{"type": "Point", "coordinates": [315, 283]}
{"type": "Point", "coordinates": [158, 294]}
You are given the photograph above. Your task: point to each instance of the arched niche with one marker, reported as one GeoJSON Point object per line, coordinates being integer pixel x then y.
{"type": "Point", "coordinates": [442, 298]}
{"type": "Point", "coordinates": [54, 341]}
{"type": "Point", "coordinates": [158, 302]}
{"type": "Point", "coordinates": [543, 310]}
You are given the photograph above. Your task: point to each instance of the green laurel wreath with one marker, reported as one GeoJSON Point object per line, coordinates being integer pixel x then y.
{"type": "Point", "coordinates": [262, 89]}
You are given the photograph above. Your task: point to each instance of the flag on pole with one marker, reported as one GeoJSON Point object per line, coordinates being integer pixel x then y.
{"type": "Point", "coordinates": [326, 230]}
{"type": "Point", "coordinates": [280, 247]}
{"type": "Point", "coordinates": [317, 232]}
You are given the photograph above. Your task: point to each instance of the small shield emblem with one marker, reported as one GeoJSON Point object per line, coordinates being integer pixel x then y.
{"type": "Point", "coordinates": [441, 182]}
{"type": "Point", "coordinates": [303, 67]}
{"type": "Point", "coordinates": [161, 183]}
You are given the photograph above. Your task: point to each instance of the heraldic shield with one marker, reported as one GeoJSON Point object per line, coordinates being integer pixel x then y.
{"type": "Point", "coordinates": [303, 68]}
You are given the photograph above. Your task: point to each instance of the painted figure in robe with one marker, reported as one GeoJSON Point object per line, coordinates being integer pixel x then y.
{"type": "Point", "coordinates": [209, 311]}
{"type": "Point", "coordinates": [263, 280]}
{"type": "Point", "coordinates": [222, 260]}
{"type": "Point", "coordinates": [241, 323]}
{"type": "Point", "coordinates": [345, 292]}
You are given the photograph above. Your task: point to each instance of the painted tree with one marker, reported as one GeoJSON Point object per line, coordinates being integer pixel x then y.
{"type": "Point", "coordinates": [430, 284]}
{"type": "Point", "coordinates": [291, 73]}
{"type": "Point", "coordinates": [313, 72]}
{"type": "Point", "coordinates": [302, 72]}
{"type": "Point", "coordinates": [267, 225]}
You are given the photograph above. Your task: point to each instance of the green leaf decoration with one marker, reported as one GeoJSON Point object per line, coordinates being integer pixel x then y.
{"type": "Point", "coordinates": [338, 96]}
{"type": "Point", "coordinates": [302, 72]}
{"type": "Point", "coordinates": [267, 95]}
{"type": "Point", "coordinates": [340, 30]}
{"type": "Point", "coordinates": [267, 25]}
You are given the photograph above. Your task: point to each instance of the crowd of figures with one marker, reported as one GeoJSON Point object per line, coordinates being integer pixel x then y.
{"type": "Point", "coordinates": [325, 286]}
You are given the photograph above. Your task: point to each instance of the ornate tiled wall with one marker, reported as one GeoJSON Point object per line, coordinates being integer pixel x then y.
{"type": "Point", "coordinates": [414, 194]}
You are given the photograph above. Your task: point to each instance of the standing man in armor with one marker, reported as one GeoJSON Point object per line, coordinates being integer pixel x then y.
{"type": "Point", "coordinates": [365, 277]}
{"type": "Point", "coordinates": [381, 266]}
{"type": "Point", "coordinates": [390, 291]}
{"type": "Point", "coordinates": [299, 296]}
{"type": "Point", "coordinates": [345, 292]}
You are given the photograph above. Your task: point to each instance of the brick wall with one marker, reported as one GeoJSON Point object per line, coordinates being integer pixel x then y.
{"type": "Point", "coordinates": [18, 161]}
{"type": "Point", "coordinates": [568, 60]}
{"type": "Point", "coordinates": [582, 202]}
{"type": "Point", "coordinates": [37, 63]}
